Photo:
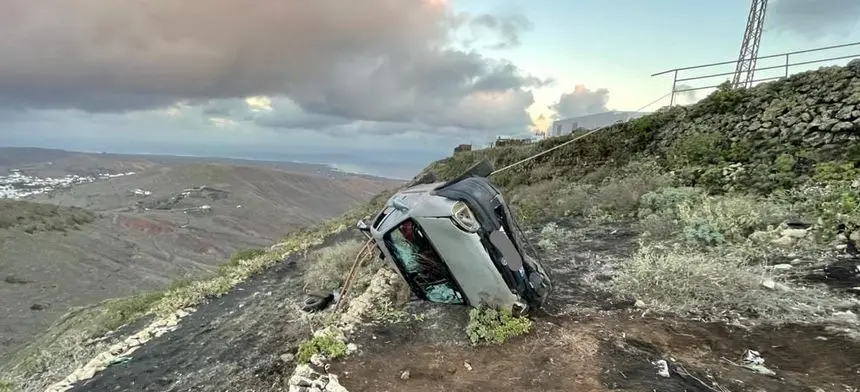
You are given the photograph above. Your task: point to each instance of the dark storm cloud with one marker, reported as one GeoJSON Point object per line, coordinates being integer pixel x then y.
{"type": "Point", "coordinates": [376, 60]}
{"type": "Point", "coordinates": [581, 101]}
{"type": "Point", "coordinates": [814, 18]}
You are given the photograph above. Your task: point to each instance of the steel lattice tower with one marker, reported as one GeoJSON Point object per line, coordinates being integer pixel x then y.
{"type": "Point", "coordinates": [749, 46]}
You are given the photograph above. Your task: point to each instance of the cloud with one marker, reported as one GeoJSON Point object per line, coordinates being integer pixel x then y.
{"type": "Point", "coordinates": [581, 101]}
{"type": "Point", "coordinates": [509, 27]}
{"type": "Point", "coordinates": [814, 19]}
{"type": "Point", "coordinates": [189, 132]}
{"type": "Point", "coordinates": [370, 60]}
{"type": "Point", "coordinates": [689, 95]}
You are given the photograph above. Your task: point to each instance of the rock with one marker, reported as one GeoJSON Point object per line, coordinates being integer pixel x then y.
{"type": "Point", "coordinates": [845, 113]}
{"type": "Point", "coordinates": [662, 368]}
{"type": "Point", "coordinates": [782, 266]}
{"type": "Point", "coordinates": [639, 303]}
{"type": "Point", "coordinates": [794, 233]}
{"type": "Point", "coordinates": [287, 358]}
{"type": "Point", "coordinates": [318, 360]}
{"type": "Point", "coordinates": [754, 126]}
{"type": "Point", "coordinates": [467, 365]}
{"type": "Point", "coordinates": [351, 348]}
{"type": "Point", "coordinates": [784, 242]}
{"type": "Point", "coordinates": [855, 236]}
{"type": "Point", "coordinates": [843, 126]}
{"type": "Point", "coordinates": [334, 385]}
{"type": "Point", "coordinates": [847, 317]}
{"type": "Point", "coordinates": [405, 375]}
{"type": "Point", "coordinates": [769, 284]}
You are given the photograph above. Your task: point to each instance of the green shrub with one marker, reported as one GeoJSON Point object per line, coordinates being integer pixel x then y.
{"type": "Point", "coordinates": [666, 199]}
{"type": "Point", "coordinates": [715, 219]}
{"type": "Point", "coordinates": [835, 172]}
{"type": "Point", "coordinates": [6, 386]}
{"type": "Point", "coordinates": [325, 344]}
{"type": "Point", "coordinates": [696, 148]}
{"type": "Point", "coordinates": [830, 204]}
{"type": "Point", "coordinates": [723, 100]}
{"type": "Point", "coordinates": [491, 326]}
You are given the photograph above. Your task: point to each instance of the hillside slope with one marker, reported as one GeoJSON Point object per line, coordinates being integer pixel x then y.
{"type": "Point", "coordinates": [193, 217]}
{"type": "Point", "coordinates": [688, 236]}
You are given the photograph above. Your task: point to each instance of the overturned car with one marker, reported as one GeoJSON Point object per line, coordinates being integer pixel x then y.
{"type": "Point", "coordinates": [457, 242]}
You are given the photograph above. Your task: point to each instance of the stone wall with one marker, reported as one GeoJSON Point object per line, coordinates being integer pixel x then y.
{"type": "Point", "coordinates": [813, 111]}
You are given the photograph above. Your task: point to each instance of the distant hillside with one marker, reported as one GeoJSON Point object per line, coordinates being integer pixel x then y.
{"type": "Point", "coordinates": [53, 162]}
{"type": "Point", "coordinates": [118, 237]}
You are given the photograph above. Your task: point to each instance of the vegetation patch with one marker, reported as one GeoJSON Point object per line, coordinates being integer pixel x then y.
{"type": "Point", "coordinates": [34, 217]}
{"type": "Point", "coordinates": [495, 326]}
{"type": "Point", "coordinates": [325, 344]}
{"type": "Point", "coordinates": [328, 267]}
{"type": "Point", "coordinates": [715, 283]}
{"type": "Point", "coordinates": [606, 194]}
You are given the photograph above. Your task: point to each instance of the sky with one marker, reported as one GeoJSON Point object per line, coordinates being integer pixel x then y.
{"type": "Point", "coordinates": [376, 86]}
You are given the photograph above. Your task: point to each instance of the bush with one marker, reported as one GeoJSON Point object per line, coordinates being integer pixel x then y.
{"type": "Point", "coordinates": [327, 345]}
{"type": "Point", "coordinates": [710, 283]}
{"type": "Point", "coordinates": [831, 204]}
{"type": "Point", "coordinates": [491, 326]}
{"type": "Point", "coordinates": [715, 219]}
{"type": "Point", "coordinates": [666, 200]}
{"type": "Point", "coordinates": [328, 267]}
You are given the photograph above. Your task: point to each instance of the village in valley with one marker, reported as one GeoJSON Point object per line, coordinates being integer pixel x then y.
{"type": "Point", "coordinates": [17, 185]}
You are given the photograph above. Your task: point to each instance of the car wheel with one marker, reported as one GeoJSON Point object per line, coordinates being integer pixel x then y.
{"type": "Point", "coordinates": [315, 303]}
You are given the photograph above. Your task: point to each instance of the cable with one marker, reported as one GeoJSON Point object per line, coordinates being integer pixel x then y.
{"type": "Point", "coordinates": [569, 141]}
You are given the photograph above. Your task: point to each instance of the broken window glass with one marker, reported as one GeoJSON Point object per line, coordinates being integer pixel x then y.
{"type": "Point", "coordinates": [421, 264]}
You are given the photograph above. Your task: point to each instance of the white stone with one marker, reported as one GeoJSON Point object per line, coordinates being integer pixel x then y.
{"type": "Point", "coordinates": [794, 233]}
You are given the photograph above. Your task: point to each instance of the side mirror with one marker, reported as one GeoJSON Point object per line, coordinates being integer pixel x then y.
{"type": "Point", "coordinates": [362, 226]}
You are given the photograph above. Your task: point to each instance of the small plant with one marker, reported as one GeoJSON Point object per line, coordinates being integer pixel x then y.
{"type": "Point", "coordinates": [327, 345]}
{"type": "Point", "coordinates": [245, 254]}
{"type": "Point", "coordinates": [6, 386]}
{"type": "Point", "coordinates": [491, 326]}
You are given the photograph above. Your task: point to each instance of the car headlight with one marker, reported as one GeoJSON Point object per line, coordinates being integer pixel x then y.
{"type": "Point", "coordinates": [464, 218]}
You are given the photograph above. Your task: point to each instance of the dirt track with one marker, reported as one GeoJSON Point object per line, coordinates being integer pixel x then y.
{"type": "Point", "coordinates": [586, 344]}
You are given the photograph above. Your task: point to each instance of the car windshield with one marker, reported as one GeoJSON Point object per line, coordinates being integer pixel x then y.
{"type": "Point", "coordinates": [421, 264]}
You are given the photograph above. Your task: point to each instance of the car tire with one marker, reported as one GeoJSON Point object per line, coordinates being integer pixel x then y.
{"type": "Point", "coordinates": [315, 303]}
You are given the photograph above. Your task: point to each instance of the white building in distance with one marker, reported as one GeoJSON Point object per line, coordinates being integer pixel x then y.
{"type": "Point", "coordinates": [591, 121]}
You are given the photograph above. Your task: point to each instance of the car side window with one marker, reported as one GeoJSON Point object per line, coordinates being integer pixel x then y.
{"type": "Point", "coordinates": [421, 264]}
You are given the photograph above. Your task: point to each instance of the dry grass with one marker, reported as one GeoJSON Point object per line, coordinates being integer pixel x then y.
{"type": "Point", "coordinates": [328, 267]}
{"type": "Point", "coordinates": [716, 284]}
{"type": "Point", "coordinates": [607, 198]}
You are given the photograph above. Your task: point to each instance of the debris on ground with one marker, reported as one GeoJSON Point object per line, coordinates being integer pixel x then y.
{"type": "Point", "coordinates": [662, 368]}
{"type": "Point", "coordinates": [752, 360]}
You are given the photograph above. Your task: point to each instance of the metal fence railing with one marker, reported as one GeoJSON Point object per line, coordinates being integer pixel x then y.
{"type": "Point", "coordinates": [785, 65]}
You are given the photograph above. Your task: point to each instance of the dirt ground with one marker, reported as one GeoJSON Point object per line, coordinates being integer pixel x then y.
{"type": "Point", "coordinates": [608, 352]}
{"type": "Point", "coordinates": [584, 342]}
